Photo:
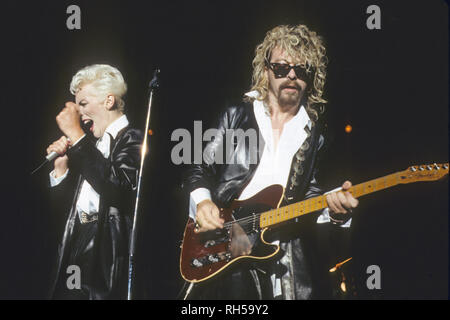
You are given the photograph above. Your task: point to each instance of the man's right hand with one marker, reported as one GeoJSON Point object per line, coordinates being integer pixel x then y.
{"type": "Point", "coordinates": [208, 216]}
{"type": "Point", "coordinates": [60, 146]}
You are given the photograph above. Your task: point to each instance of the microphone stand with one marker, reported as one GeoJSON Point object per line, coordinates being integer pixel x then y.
{"type": "Point", "coordinates": [154, 84]}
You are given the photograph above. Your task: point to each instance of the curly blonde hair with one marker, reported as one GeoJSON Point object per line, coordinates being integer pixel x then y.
{"type": "Point", "coordinates": [300, 44]}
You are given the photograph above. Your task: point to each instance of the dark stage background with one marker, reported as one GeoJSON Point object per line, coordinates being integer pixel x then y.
{"type": "Point", "coordinates": [391, 85]}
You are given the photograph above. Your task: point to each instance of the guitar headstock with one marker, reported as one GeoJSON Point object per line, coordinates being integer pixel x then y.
{"type": "Point", "coordinates": [427, 172]}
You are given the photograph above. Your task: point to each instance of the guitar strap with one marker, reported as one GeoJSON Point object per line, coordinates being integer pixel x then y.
{"type": "Point", "coordinates": [302, 163]}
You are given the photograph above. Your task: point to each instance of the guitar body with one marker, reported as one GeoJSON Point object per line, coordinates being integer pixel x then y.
{"type": "Point", "coordinates": [203, 255]}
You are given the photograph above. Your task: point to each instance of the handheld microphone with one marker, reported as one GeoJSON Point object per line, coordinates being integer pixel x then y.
{"type": "Point", "coordinates": [48, 158]}
{"type": "Point", "coordinates": [53, 155]}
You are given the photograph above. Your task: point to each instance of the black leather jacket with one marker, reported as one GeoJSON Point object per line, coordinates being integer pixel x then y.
{"type": "Point", "coordinates": [99, 248]}
{"type": "Point", "coordinates": [226, 182]}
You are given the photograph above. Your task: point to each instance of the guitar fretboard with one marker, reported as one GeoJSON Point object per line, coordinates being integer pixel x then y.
{"type": "Point", "coordinates": [298, 209]}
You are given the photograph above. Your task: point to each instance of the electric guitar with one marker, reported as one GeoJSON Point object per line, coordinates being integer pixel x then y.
{"type": "Point", "coordinates": [206, 254]}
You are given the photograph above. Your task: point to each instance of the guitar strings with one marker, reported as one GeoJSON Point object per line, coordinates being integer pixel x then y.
{"type": "Point", "coordinates": [245, 222]}
{"type": "Point", "coordinates": [248, 221]}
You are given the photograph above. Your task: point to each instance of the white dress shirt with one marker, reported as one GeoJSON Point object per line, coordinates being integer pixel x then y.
{"type": "Point", "coordinates": [275, 164]}
{"type": "Point", "coordinates": [89, 199]}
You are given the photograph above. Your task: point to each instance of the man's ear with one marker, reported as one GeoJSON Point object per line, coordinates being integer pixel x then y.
{"type": "Point", "coordinates": [110, 101]}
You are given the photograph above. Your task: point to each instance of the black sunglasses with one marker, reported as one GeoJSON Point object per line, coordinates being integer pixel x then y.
{"type": "Point", "coordinates": [281, 70]}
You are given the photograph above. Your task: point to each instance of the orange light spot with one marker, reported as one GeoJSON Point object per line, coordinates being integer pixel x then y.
{"type": "Point", "coordinates": [150, 132]}
{"type": "Point", "coordinates": [348, 128]}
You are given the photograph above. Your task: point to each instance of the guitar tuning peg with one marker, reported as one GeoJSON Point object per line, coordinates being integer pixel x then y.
{"type": "Point", "coordinates": [413, 169]}
{"type": "Point", "coordinates": [429, 167]}
{"type": "Point", "coordinates": [446, 166]}
{"type": "Point", "coordinates": [421, 168]}
{"type": "Point", "coordinates": [436, 166]}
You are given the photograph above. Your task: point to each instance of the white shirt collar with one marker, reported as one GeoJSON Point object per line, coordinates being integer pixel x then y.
{"type": "Point", "coordinates": [117, 125]}
{"type": "Point", "coordinates": [104, 143]}
{"type": "Point", "coordinates": [252, 94]}
{"type": "Point", "coordinates": [300, 120]}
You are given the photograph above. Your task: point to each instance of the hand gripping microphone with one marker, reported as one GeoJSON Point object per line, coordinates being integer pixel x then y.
{"type": "Point", "coordinates": [53, 155]}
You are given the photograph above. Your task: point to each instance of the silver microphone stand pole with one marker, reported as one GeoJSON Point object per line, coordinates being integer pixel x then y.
{"type": "Point", "coordinates": [154, 84]}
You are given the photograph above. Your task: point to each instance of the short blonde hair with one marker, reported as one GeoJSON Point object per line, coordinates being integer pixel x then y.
{"type": "Point", "coordinates": [105, 78]}
{"type": "Point", "coordinates": [303, 45]}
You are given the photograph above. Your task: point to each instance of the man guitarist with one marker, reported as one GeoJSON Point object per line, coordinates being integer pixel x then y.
{"type": "Point", "coordinates": [283, 106]}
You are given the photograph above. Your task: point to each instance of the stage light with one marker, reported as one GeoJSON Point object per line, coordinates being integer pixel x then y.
{"type": "Point", "coordinates": [348, 128]}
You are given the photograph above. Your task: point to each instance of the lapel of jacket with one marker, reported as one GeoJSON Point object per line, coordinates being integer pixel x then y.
{"type": "Point", "coordinates": [113, 145]}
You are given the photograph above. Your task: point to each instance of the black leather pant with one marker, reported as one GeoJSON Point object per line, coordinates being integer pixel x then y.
{"type": "Point", "coordinates": [80, 253]}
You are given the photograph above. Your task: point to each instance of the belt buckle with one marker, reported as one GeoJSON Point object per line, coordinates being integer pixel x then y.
{"type": "Point", "coordinates": [87, 218]}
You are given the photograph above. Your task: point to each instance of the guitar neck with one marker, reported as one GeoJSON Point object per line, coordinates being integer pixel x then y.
{"type": "Point", "coordinates": [298, 209]}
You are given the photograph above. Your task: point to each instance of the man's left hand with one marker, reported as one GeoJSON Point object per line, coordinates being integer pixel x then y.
{"type": "Point", "coordinates": [341, 203]}
{"type": "Point", "coordinates": [68, 121]}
